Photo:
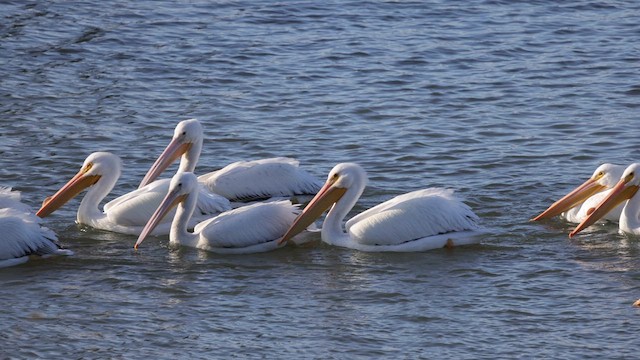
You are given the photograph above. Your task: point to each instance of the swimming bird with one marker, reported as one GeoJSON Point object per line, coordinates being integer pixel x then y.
{"type": "Point", "coordinates": [625, 193]}
{"type": "Point", "coordinates": [253, 228]}
{"type": "Point", "coordinates": [417, 221]}
{"type": "Point", "coordinates": [128, 213]}
{"type": "Point", "coordinates": [239, 181]}
{"type": "Point", "coordinates": [573, 207]}
{"type": "Point", "coordinates": [22, 232]}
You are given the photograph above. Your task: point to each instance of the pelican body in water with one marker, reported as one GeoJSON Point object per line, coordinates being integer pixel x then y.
{"type": "Point", "coordinates": [624, 193]}
{"type": "Point", "coordinates": [239, 181]}
{"type": "Point", "coordinates": [22, 232]}
{"type": "Point", "coordinates": [417, 221]}
{"type": "Point", "coordinates": [574, 206]}
{"type": "Point", "coordinates": [128, 213]}
{"type": "Point", "coordinates": [249, 229]}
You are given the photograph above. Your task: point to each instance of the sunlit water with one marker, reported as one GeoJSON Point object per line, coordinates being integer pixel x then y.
{"type": "Point", "coordinates": [512, 104]}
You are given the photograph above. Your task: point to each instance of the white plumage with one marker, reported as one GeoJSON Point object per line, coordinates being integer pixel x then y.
{"type": "Point", "coordinates": [252, 228]}
{"type": "Point", "coordinates": [249, 225]}
{"type": "Point", "coordinates": [239, 181]}
{"type": "Point", "coordinates": [261, 179]}
{"type": "Point", "coordinates": [21, 232]}
{"type": "Point", "coordinates": [410, 217]}
{"type": "Point", "coordinates": [128, 213]}
{"type": "Point", "coordinates": [417, 221]}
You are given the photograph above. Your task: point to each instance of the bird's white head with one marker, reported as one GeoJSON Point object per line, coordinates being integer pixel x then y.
{"type": "Point", "coordinates": [608, 174]}
{"type": "Point", "coordinates": [96, 166]}
{"type": "Point", "coordinates": [631, 175]}
{"type": "Point", "coordinates": [101, 163]}
{"type": "Point", "coordinates": [183, 183]}
{"type": "Point", "coordinates": [186, 142]}
{"type": "Point", "coordinates": [347, 176]}
{"type": "Point", "coordinates": [188, 132]}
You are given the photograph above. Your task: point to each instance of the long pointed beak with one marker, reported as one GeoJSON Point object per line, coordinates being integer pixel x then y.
{"type": "Point", "coordinates": [325, 198]}
{"type": "Point", "coordinates": [575, 197]}
{"type": "Point", "coordinates": [171, 200]}
{"type": "Point", "coordinates": [73, 187]}
{"type": "Point", "coordinates": [619, 193]}
{"type": "Point", "coordinates": [171, 153]}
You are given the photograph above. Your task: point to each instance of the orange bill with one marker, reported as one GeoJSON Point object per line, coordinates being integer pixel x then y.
{"type": "Point", "coordinates": [171, 200]}
{"type": "Point", "coordinates": [324, 199]}
{"type": "Point", "coordinates": [621, 192]}
{"type": "Point", "coordinates": [171, 153]}
{"type": "Point", "coordinates": [72, 188]}
{"type": "Point", "coordinates": [575, 197]}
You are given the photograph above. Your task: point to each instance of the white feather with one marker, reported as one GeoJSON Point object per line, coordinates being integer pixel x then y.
{"type": "Point", "coordinates": [12, 199]}
{"type": "Point", "coordinates": [412, 216]}
{"type": "Point", "coordinates": [260, 179]}
{"type": "Point", "coordinates": [21, 233]}
{"type": "Point", "coordinates": [248, 225]}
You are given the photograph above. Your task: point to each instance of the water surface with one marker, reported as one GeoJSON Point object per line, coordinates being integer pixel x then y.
{"type": "Point", "coordinates": [510, 103]}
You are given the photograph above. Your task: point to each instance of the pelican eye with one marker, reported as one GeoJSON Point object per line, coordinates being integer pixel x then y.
{"type": "Point", "coordinates": [87, 167]}
{"type": "Point", "coordinates": [184, 133]}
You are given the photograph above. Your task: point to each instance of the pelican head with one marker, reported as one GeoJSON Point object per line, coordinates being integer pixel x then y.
{"type": "Point", "coordinates": [96, 166]}
{"type": "Point", "coordinates": [182, 184]}
{"type": "Point", "coordinates": [187, 139]}
{"type": "Point", "coordinates": [605, 177]}
{"type": "Point", "coordinates": [624, 190]}
{"type": "Point", "coordinates": [344, 179]}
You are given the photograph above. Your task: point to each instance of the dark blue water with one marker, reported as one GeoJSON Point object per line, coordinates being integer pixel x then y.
{"type": "Point", "coordinates": [510, 103]}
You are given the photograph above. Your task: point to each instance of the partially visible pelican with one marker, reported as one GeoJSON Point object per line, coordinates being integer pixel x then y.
{"type": "Point", "coordinates": [21, 234]}
{"type": "Point", "coordinates": [417, 221]}
{"type": "Point", "coordinates": [128, 213]}
{"type": "Point", "coordinates": [625, 190]}
{"type": "Point", "coordinates": [239, 181]}
{"type": "Point", "coordinates": [253, 228]}
{"type": "Point", "coordinates": [574, 206]}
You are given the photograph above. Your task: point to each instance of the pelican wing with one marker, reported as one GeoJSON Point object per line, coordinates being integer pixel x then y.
{"type": "Point", "coordinates": [412, 216]}
{"type": "Point", "coordinates": [135, 208]}
{"type": "Point", "coordinates": [20, 231]}
{"type": "Point", "coordinates": [248, 225]}
{"type": "Point", "coordinates": [260, 179]}
{"type": "Point", "coordinates": [12, 199]}
{"type": "Point", "coordinates": [210, 203]}
{"type": "Point", "coordinates": [22, 235]}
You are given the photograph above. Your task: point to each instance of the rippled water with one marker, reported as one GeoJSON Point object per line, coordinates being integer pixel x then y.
{"type": "Point", "coordinates": [510, 103]}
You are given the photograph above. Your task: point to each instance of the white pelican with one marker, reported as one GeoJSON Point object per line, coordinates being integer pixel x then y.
{"type": "Point", "coordinates": [22, 234]}
{"type": "Point", "coordinates": [417, 221]}
{"type": "Point", "coordinates": [128, 213]}
{"type": "Point", "coordinates": [625, 190]}
{"type": "Point", "coordinates": [248, 229]}
{"type": "Point", "coordinates": [239, 181]}
{"type": "Point", "coordinates": [573, 207]}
